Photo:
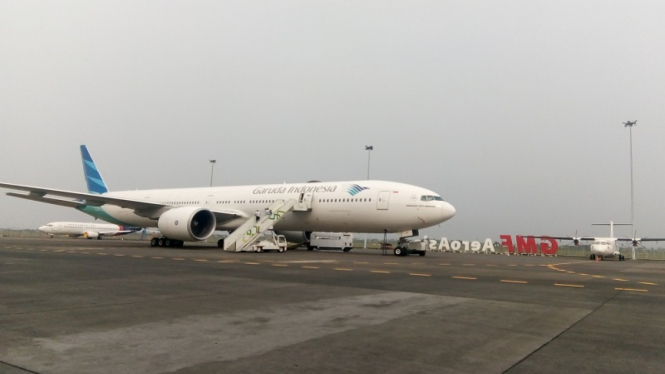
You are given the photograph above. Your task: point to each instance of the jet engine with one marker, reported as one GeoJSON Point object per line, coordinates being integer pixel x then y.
{"type": "Point", "coordinates": [298, 237]}
{"type": "Point", "coordinates": [189, 223]}
{"type": "Point", "coordinates": [91, 235]}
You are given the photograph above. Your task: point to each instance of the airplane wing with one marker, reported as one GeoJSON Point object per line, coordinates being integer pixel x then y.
{"type": "Point", "coordinates": [37, 193]}
{"type": "Point", "coordinates": [227, 215]}
{"type": "Point", "coordinates": [642, 239]}
{"type": "Point", "coordinates": [42, 199]}
{"type": "Point", "coordinates": [566, 237]}
{"type": "Point", "coordinates": [143, 208]}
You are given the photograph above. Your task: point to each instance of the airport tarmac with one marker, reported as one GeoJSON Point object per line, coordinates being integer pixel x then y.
{"type": "Point", "coordinates": [88, 306]}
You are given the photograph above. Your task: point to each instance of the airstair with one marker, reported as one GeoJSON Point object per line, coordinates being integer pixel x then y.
{"type": "Point", "coordinates": [249, 231]}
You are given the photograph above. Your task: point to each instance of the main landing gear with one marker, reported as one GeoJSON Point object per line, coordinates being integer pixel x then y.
{"type": "Point", "coordinates": [166, 242]}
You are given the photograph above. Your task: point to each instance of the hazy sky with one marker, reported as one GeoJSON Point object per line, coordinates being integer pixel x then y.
{"type": "Point", "coordinates": [511, 110]}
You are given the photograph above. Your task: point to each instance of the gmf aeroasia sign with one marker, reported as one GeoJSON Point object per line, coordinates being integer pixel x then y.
{"type": "Point", "coordinates": [527, 244]}
{"type": "Point", "coordinates": [459, 245]}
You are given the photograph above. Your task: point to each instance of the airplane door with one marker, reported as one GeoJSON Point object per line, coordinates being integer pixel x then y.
{"type": "Point", "coordinates": [382, 201]}
{"type": "Point", "coordinates": [307, 199]}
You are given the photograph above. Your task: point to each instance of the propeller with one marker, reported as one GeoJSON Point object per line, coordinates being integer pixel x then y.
{"type": "Point", "coordinates": [576, 239]}
{"type": "Point", "coordinates": [636, 240]}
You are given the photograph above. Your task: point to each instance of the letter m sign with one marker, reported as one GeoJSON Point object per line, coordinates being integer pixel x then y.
{"type": "Point", "coordinates": [526, 244]}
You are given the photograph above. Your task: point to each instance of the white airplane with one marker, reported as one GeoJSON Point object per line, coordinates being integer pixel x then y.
{"type": "Point", "coordinates": [87, 230]}
{"type": "Point", "coordinates": [603, 247]}
{"type": "Point", "coordinates": [297, 209]}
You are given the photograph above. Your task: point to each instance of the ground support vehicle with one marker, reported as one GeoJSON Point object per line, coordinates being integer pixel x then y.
{"type": "Point", "coordinates": [406, 248]}
{"type": "Point", "coordinates": [331, 240]}
{"type": "Point", "coordinates": [270, 243]}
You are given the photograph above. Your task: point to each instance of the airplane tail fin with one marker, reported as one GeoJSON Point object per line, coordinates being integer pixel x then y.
{"type": "Point", "coordinates": [93, 178]}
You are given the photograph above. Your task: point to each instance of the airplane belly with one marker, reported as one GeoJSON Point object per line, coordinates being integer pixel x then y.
{"type": "Point", "coordinates": [126, 217]}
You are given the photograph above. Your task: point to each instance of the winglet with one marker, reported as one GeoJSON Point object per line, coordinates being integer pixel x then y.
{"type": "Point", "coordinates": [93, 178]}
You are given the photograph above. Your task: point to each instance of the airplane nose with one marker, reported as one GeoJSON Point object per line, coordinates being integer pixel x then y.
{"type": "Point", "coordinates": [447, 211]}
{"type": "Point", "coordinates": [42, 228]}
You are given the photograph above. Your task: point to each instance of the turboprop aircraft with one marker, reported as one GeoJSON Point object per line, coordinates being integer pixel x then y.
{"type": "Point", "coordinates": [86, 230]}
{"type": "Point", "coordinates": [603, 247]}
{"type": "Point", "coordinates": [295, 209]}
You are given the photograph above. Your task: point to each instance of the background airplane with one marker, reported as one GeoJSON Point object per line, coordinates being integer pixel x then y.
{"type": "Point", "coordinates": [86, 230]}
{"type": "Point", "coordinates": [193, 214]}
{"type": "Point", "coordinates": [603, 247]}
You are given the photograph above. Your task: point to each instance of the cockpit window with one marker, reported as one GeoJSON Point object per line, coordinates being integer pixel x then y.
{"type": "Point", "coordinates": [430, 198]}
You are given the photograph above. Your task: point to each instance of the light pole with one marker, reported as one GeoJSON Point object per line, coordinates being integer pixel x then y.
{"type": "Point", "coordinates": [630, 125]}
{"type": "Point", "coordinates": [369, 149]}
{"type": "Point", "coordinates": [212, 167]}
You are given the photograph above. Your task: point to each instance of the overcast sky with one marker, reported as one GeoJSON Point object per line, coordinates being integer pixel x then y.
{"type": "Point", "coordinates": [511, 110]}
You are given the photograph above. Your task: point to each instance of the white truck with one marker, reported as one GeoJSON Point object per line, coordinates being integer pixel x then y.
{"type": "Point", "coordinates": [331, 240]}
{"type": "Point", "coordinates": [270, 243]}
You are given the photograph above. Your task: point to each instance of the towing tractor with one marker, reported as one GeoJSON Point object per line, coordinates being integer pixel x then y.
{"type": "Point", "coordinates": [406, 248]}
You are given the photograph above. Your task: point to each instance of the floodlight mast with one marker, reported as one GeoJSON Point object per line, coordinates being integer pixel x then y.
{"type": "Point", "coordinates": [212, 167]}
{"type": "Point", "coordinates": [369, 149]}
{"type": "Point", "coordinates": [630, 125]}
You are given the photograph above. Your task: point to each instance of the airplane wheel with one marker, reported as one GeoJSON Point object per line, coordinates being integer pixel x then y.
{"type": "Point", "coordinates": [422, 253]}
{"type": "Point", "coordinates": [220, 243]}
{"type": "Point", "coordinates": [168, 243]}
{"type": "Point", "coordinates": [592, 257]}
{"type": "Point", "coordinates": [281, 250]}
{"type": "Point", "coordinates": [310, 248]}
{"type": "Point", "coordinates": [153, 242]}
{"type": "Point", "coordinates": [179, 244]}
{"type": "Point", "coordinates": [259, 250]}
{"type": "Point", "coordinates": [399, 251]}
{"type": "Point", "coordinates": [99, 238]}
{"type": "Point", "coordinates": [160, 242]}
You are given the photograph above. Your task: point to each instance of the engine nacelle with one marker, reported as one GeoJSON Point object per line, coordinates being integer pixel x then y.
{"type": "Point", "coordinates": [636, 242]}
{"type": "Point", "coordinates": [298, 237]}
{"type": "Point", "coordinates": [91, 235]}
{"type": "Point", "coordinates": [576, 242]}
{"type": "Point", "coordinates": [187, 223]}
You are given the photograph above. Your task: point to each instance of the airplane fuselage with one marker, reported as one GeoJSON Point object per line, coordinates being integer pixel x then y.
{"type": "Point", "coordinates": [355, 206]}
{"type": "Point", "coordinates": [604, 247]}
{"type": "Point", "coordinates": [89, 230]}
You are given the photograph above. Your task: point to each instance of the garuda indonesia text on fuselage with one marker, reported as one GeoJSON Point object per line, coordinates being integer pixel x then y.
{"type": "Point", "coordinates": [193, 214]}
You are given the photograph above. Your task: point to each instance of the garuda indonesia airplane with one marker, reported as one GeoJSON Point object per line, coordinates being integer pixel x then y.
{"type": "Point", "coordinates": [293, 209]}
{"type": "Point", "coordinates": [86, 229]}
